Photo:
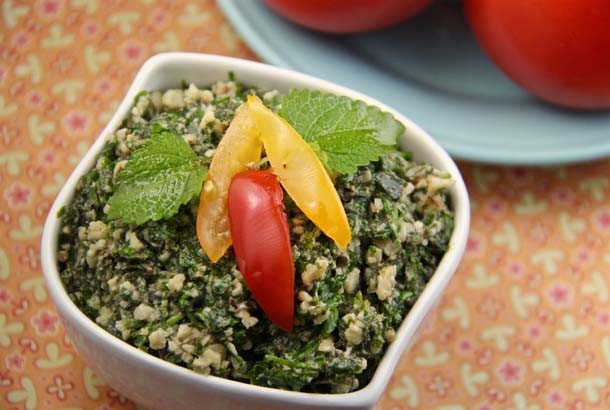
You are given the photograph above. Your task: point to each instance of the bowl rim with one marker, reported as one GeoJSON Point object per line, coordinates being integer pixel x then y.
{"type": "Point", "coordinates": [366, 395]}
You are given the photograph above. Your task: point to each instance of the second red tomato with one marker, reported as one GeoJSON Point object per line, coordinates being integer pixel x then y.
{"type": "Point", "coordinates": [558, 50]}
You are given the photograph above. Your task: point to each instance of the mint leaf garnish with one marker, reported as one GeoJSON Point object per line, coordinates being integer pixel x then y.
{"type": "Point", "coordinates": [345, 133]}
{"type": "Point", "coordinates": [161, 175]}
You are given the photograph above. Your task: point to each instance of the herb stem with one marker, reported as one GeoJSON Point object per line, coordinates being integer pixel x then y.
{"type": "Point", "coordinates": [289, 363]}
{"type": "Point", "coordinates": [173, 320]}
{"type": "Point", "coordinates": [261, 163]}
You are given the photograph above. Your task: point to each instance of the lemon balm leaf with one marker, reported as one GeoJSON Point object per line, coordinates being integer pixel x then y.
{"type": "Point", "coordinates": [345, 133]}
{"type": "Point", "coordinates": [314, 114]}
{"type": "Point", "coordinates": [346, 158]}
{"type": "Point", "coordinates": [162, 175]}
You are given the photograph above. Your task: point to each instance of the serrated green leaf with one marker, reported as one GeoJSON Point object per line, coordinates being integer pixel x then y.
{"type": "Point", "coordinates": [162, 175]}
{"type": "Point", "coordinates": [347, 133]}
{"type": "Point", "coordinates": [346, 158]}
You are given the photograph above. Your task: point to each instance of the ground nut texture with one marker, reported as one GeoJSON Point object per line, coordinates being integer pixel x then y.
{"type": "Point", "coordinates": [152, 286]}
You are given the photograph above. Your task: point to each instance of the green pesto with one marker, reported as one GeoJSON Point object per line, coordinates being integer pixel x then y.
{"type": "Point", "coordinates": [400, 224]}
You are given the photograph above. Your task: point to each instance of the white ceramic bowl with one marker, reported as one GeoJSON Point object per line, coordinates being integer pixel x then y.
{"type": "Point", "coordinates": [157, 384]}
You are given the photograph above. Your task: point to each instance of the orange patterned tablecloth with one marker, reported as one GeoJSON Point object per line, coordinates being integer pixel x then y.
{"type": "Point", "coordinates": [524, 325]}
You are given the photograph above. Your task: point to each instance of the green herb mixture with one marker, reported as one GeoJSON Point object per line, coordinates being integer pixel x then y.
{"type": "Point", "coordinates": [149, 283]}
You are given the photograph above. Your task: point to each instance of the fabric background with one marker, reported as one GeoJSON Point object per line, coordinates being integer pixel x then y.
{"type": "Point", "coordinates": [524, 325]}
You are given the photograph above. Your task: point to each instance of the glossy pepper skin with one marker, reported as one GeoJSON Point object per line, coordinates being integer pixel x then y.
{"type": "Point", "coordinates": [239, 148]}
{"type": "Point", "coordinates": [296, 165]}
{"type": "Point", "coordinates": [261, 242]}
{"type": "Point", "coordinates": [301, 173]}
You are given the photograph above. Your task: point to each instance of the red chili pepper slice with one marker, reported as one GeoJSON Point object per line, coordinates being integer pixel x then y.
{"type": "Point", "coordinates": [261, 242]}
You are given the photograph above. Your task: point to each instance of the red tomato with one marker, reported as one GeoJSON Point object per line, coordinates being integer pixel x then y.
{"type": "Point", "coordinates": [347, 16]}
{"type": "Point", "coordinates": [261, 242]}
{"type": "Point", "coordinates": [559, 50]}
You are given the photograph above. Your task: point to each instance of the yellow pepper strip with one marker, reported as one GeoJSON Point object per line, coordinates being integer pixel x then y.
{"type": "Point", "coordinates": [301, 173]}
{"type": "Point", "coordinates": [240, 147]}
